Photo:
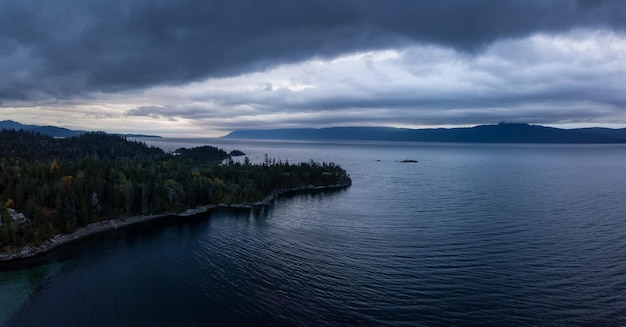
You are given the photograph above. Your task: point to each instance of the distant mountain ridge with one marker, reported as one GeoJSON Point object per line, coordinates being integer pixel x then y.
{"type": "Point", "coordinates": [500, 133]}
{"type": "Point", "coordinates": [54, 131]}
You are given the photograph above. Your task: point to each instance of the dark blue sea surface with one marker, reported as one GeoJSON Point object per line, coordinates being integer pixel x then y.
{"type": "Point", "coordinates": [469, 235]}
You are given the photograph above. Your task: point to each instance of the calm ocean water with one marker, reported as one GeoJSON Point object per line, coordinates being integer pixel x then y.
{"type": "Point", "coordinates": [469, 235]}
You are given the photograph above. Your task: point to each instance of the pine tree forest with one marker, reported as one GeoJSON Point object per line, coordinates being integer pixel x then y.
{"type": "Point", "coordinates": [52, 186]}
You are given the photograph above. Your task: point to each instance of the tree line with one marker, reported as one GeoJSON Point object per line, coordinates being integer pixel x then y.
{"type": "Point", "coordinates": [63, 184]}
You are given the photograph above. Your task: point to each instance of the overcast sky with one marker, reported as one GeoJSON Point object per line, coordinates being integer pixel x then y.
{"type": "Point", "coordinates": [204, 68]}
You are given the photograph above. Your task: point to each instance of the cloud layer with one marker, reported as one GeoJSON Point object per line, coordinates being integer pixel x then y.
{"type": "Point", "coordinates": [570, 78]}
{"type": "Point", "coordinates": [237, 64]}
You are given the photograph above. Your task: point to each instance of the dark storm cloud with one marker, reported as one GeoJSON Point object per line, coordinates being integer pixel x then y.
{"type": "Point", "coordinates": [64, 48]}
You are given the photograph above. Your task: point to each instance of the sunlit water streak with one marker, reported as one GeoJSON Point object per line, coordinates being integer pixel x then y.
{"type": "Point", "coordinates": [470, 235]}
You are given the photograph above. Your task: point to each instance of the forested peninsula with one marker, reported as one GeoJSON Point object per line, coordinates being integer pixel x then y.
{"type": "Point", "coordinates": [56, 189]}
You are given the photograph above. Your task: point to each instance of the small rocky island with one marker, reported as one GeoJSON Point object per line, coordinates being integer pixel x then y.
{"type": "Point", "coordinates": [55, 190]}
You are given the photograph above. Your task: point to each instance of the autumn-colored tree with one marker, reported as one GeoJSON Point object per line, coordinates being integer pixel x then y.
{"type": "Point", "coordinates": [67, 182]}
{"type": "Point", "coordinates": [54, 166]}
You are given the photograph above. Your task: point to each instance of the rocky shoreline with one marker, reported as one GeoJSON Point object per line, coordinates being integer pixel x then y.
{"type": "Point", "coordinates": [30, 251]}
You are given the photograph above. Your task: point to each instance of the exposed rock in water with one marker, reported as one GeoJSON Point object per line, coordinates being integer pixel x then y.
{"type": "Point", "coordinates": [237, 153]}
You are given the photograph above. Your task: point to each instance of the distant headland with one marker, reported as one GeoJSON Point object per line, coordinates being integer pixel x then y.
{"type": "Point", "coordinates": [499, 133]}
{"type": "Point", "coordinates": [56, 131]}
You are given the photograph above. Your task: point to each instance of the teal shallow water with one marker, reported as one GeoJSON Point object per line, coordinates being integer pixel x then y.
{"type": "Point", "coordinates": [18, 285]}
